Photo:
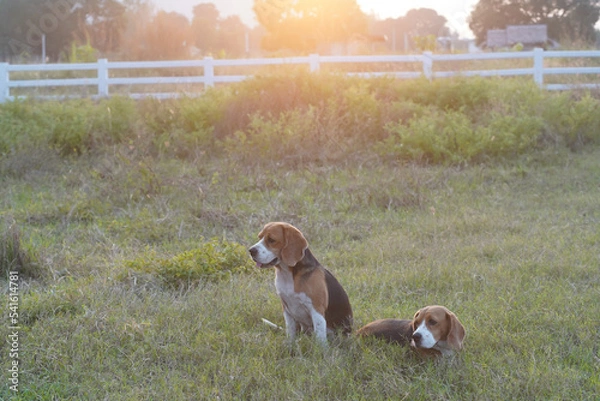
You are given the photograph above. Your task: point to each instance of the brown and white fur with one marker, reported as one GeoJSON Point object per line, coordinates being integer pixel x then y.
{"type": "Point", "coordinates": [433, 330]}
{"type": "Point", "coordinates": [312, 298]}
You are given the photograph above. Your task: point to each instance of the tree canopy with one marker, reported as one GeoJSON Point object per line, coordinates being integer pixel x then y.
{"type": "Point", "coordinates": [567, 20]}
{"type": "Point", "coordinates": [302, 25]}
{"type": "Point", "coordinates": [215, 35]}
{"type": "Point", "coordinates": [23, 23]}
{"type": "Point", "coordinates": [404, 32]}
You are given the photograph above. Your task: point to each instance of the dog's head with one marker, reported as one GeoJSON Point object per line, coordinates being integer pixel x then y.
{"type": "Point", "coordinates": [279, 243]}
{"type": "Point", "coordinates": [435, 327]}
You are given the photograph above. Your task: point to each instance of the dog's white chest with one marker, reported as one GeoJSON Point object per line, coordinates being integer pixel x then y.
{"type": "Point", "coordinates": [298, 305]}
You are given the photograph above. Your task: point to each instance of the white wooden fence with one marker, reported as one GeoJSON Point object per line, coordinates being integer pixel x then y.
{"type": "Point", "coordinates": [103, 81]}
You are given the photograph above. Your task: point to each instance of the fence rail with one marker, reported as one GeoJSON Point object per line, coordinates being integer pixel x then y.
{"type": "Point", "coordinates": [102, 81]}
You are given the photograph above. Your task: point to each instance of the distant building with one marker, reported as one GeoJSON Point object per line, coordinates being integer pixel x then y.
{"type": "Point", "coordinates": [528, 35]}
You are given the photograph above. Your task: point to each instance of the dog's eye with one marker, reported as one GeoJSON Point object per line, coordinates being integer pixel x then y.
{"type": "Point", "coordinates": [432, 322]}
{"type": "Point", "coordinates": [270, 240]}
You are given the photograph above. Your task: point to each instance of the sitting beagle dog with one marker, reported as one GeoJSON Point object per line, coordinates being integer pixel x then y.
{"type": "Point", "coordinates": [312, 299]}
{"type": "Point", "coordinates": [433, 330]}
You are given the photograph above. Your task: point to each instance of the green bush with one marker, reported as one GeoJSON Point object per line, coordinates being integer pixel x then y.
{"type": "Point", "coordinates": [436, 138]}
{"type": "Point", "coordinates": [114, 120]}
{"type": "Point", "coordinates": [69, 126]}
{"type": "Point", "coordinates": [293, 136]}
{"type": "Point", "coordinates": [575, 123]}
{"type": "Point", "coordinates": [21, 125]}
{"type": "Point", "coordinates": [213, 260]}
{"type": "Point", "coordinates": [451, 137]}
{"type": "Point", "coordinates": [304, 117]}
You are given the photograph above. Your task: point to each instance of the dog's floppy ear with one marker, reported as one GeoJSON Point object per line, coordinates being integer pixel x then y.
{"type": "Point", "coordinates": [295, 245]}
{"type": "Point", "coordinates": [456, 334]}
{"type": "Point", "coordinates": [412, 323]}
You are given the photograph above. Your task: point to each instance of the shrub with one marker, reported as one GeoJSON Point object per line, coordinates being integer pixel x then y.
{"type": "Point", "coordinates": [435, 138]}
{"type": "Point", "coordinates": [299, 116]}
{"type": "Point", "coordinates": [20, 126]}
{"type": "Point", "coordinates": [467, 94]}
{"type": "Point", "coordinates": [213, 260]}
{"type": "Point", "coordinates": [114, 119]}
{"type": "Point", "coordinates": [70, 127]}
{"type": "Point", "coordinates": [510, 134]}
{"type": "Point", "coordinates": [451, 137]}
{"type": "Point", "coordinates": [575, 123]}
{"type": "Point", "coordinates": [291, 137]}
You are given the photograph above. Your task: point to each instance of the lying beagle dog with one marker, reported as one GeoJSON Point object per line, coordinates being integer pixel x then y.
{"type": "Point", "coordinates": [312, 299]}
{"type": "Point", "coordinates": [433, 330]}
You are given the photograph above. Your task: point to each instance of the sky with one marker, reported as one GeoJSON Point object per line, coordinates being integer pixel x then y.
{"type": "Point", "coordinates": [455, 11]}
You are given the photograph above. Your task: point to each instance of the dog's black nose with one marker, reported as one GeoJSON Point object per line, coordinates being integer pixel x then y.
{"type": "Point", "coordinates": [417, 337]}
{"type": "Point", "coordinates": [252, 251]}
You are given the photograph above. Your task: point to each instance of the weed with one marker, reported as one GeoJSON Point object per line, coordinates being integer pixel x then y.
{"type": "Point", "coordinates": [15, 255]}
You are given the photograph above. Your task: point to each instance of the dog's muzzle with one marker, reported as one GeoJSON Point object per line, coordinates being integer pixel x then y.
{"type": "Point", "coordinates": [254, 254]}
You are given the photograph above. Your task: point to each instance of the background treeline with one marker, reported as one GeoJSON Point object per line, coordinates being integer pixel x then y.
{"type": "Point", "coordinates": [300, 117]}
{"type": "Point", "coordinates": [81, 31]}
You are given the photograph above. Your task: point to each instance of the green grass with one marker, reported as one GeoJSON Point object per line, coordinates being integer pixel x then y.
{"type": "Point", "coordinates": [510, 245]}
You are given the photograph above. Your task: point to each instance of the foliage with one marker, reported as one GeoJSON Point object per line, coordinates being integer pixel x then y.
{"type": "Point", "coordinates": [167, 37]}
{"type": "Point", "coordinates": [425, 43]}
{"type": "Point", "coordinates": [23, 23]}
{"type": "Point", "coordinates": [82, 54]}
{"type": "Point", "coordinates": [305, 24]}
{"type": "Point", "coordinates": [301, 117]}
{"type": "Point", "coordinates": [416, 24]}
{"type": "Point", "coordinates": [15, 255]}
{"type": "Point", "coordinates": [576, 122]}
{"type": "Point", "coordinates": [80, 126]}
{"type": "Point", "coordinates": [22, 125]}
{"type": "Point", "coordinates": [452, 138]}
{"type": "Point", "coordinates": [104, 23]}
{"type": "Point", "coordinates": [566, 21]}
{"type": "Point", "coordinates": [213, 260]}
{"type": "Point", "coordinates": [214, 35]}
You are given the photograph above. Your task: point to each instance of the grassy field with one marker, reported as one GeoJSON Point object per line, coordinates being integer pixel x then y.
{"type": "Point", "coordinates": [116, 246]}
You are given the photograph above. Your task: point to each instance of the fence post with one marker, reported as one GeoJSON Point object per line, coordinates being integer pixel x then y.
{"type": "Point", "coordinates": [538, 66]}
{"type": "Point", "coordinates": [428, 65]}
{"type": "Point", "coordinates": [209, 72]}
{"type": "Point", "coordinates": [103, 77]}
{"type": "Point", "coordinates": [4, 78]}
{"type": "Point", "coordinates": [313, 60]}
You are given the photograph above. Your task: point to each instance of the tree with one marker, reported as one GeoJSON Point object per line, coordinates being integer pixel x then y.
{"type": "Point", "coordinates": [103, 23]}
{"type": "Point", "coordinates": [214, 35]}
{"type": "Point", "coordinates": [167, 37]}
{"type": "Point", "coordinates": [232, 36]}
{"type": "Point", "coordinates": [566, 19]}
{"type": "Point", "coordinates": [425, 21]}
{"type": "Point", "coordinates": [25, 24]}
{"type": "Point", "coordinates": [418, 25]}
{"type": "Point", "coordinates": [205, 26]}
{"type": "Point", "coordinates": [302, 25]}
{"type": "Point", "coordinates": [138, 16]}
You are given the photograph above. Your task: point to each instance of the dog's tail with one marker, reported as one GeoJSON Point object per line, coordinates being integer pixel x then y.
{"type": "Point", "coordinates": [271, 324]}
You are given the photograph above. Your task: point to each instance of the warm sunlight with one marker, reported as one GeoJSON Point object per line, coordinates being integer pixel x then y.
{"type": "Point", "coordinates": [455, 11]}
